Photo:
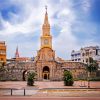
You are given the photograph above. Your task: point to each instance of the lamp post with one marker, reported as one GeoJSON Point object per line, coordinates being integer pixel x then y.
{"type": "Point", "coordinates": [88, 81]}
{"type": "Point", "coordinates": [88, 73]}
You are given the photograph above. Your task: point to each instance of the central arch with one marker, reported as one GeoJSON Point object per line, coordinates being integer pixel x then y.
{"type": "Point", "coordinates": [46, 72]}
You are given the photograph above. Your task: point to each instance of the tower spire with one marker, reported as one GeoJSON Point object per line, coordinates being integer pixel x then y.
{"type": "Point", "coordinates": [46, 17]}
{"type": "Point", "coordinates": [17, 53]}
{"type": "Point", "coordinates": [46, 25]}
{"type": "Point", "coordinates": [46, 38]}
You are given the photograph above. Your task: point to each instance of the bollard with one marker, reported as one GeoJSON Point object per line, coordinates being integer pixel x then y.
{"type": "Point", "coordinates": [24, 92]}
{"type": "Point", "coordinates": [11, 92]}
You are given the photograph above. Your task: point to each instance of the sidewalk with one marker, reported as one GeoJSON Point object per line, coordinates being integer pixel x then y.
{"type": "Point", "coordinates": [49, 89]}
{"type": "Point", "coordinates": [49, 84]}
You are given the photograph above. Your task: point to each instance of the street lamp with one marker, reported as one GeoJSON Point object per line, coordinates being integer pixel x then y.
{"type": "Point", "coordinates": [88, 79]}
{"type": "Point", "coordinates": [88, 82]}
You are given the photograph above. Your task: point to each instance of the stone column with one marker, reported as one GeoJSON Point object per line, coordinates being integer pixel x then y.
{"type": "Point", "coordinates": [41, 73]}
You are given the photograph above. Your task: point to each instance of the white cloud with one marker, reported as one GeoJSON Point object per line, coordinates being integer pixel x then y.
{"type": "Point", "coordinates": [29, 21]}
{"type": "Point", "coordinates": [31, 15]}
{"type": "Point", "coordinates": [86, 5]}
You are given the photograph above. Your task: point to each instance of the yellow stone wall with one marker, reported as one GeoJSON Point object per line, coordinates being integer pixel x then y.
{"type": "Point", "coordinates": [2, 52]}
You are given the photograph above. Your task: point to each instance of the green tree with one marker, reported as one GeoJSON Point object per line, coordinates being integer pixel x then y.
{"type": "Point", "coordinates": [31, 77]}
{"type": "Point", "coordinates": [2, 70]}
{"type": "Point", "coordinates": [68, 78]}
{"type": "Point", "coordinates": [92, 66]}
{"type": "Point", "coordinates": [2, 67]}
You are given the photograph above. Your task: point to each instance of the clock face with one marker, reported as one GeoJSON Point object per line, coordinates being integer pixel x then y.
{"type": "Point", "coordinates": [46, 41]}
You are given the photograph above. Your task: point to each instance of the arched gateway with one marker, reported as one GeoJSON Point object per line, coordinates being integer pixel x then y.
{"type": "Point", "coordinates": [24, 75]}
{"type": "Point", "coordinates": [46, 73]}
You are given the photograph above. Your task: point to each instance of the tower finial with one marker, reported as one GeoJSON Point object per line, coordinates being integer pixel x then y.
{"type": "Point", "coordinates": [46, 7]}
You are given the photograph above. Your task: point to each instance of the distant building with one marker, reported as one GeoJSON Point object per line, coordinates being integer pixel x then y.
{"type": "Point", "coordinates": [76, 56]}
{"type": "Point", "coordinates": [17, 58]}
{"type": "Point", "coordinates": [2, 52]}
{"type": "Point", "coordinates": [17, 53]}
{"type": "Point", "coordinates": [85, 53]}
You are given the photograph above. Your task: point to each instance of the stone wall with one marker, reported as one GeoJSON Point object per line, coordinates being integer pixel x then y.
{"type": "Point", "coordinates": [78, 69]}
{"type": "Point", "coordinates": [17, 70]}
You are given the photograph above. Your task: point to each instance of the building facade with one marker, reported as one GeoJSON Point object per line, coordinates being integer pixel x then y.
{"type": "Point", "coordinates": [85, 53]}
{"type": "Point", "coordinates": [45, 64]}
{"type": "Point", "coordinates": [2, 52]}
{"type": "Point", "coordinates": [76, 56]}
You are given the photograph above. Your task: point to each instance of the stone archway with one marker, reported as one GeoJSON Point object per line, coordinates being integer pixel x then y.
{"type": "Point", "coordinates": [46, 73]}
{"type": "Point", "coordinates": [24, 75]}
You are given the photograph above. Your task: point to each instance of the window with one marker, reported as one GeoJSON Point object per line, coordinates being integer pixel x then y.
{"type": "Point", "coordinates": [75, 59]}
{"type": "Point", "coordinates": [86, 60]}
{"type": "Point", "coordinates": [1, 59]}
{"type": "Point", "coordinates": [87, 53]}
{"type": "Point", "coordinates": [79, 59]}
{"type": "Point", "coordinates": [96, 52]}
{"type": "Point", "coordinates": [83, 54]}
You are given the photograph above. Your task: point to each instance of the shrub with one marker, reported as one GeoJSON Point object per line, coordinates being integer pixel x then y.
{"type": "Point", "coordinates": [95, 79]}
{"type": "Point", "coordinates": [31, 77]}
{"type": "Point", "coordinates": [68, 78]}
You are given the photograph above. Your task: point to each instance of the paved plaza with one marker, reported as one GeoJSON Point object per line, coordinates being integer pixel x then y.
{"type": "Point", "coordinates": [47, 84]}
{"type": "Point", "coordinates": [50, 89]}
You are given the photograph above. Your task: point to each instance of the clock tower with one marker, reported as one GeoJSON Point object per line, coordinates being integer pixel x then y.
{"type": "Point", "coordinates": [45, 59]}
{"type": "Point", "coordinates": [46, 53]}
{"type": "Point", "coordinates": [46, 38]}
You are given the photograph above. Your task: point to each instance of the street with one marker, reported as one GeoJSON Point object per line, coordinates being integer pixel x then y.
{"type": "Point", "coordinates": [51, 98]}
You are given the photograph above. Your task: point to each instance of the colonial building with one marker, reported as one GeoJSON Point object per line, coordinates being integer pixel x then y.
{"type": "Point", "coordinates": [18, 58]}
{"type": "Point", "coordinates": [2, 52]}
{"type": "Point", "coordinates": [85, 53]}
{"type": "Point", "coordinates": [76, 56]}
{"type": "Point", "coordinates": [45, 64]}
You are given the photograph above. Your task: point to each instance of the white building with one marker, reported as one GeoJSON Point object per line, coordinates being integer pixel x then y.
{"type": "Point", "coordinates": [76, 56]}
{"type": "Point", "coordinates": [84, 53]}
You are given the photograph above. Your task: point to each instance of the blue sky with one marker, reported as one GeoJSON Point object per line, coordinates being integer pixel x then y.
{"type": "Point", "coordinates": [74, 24]}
